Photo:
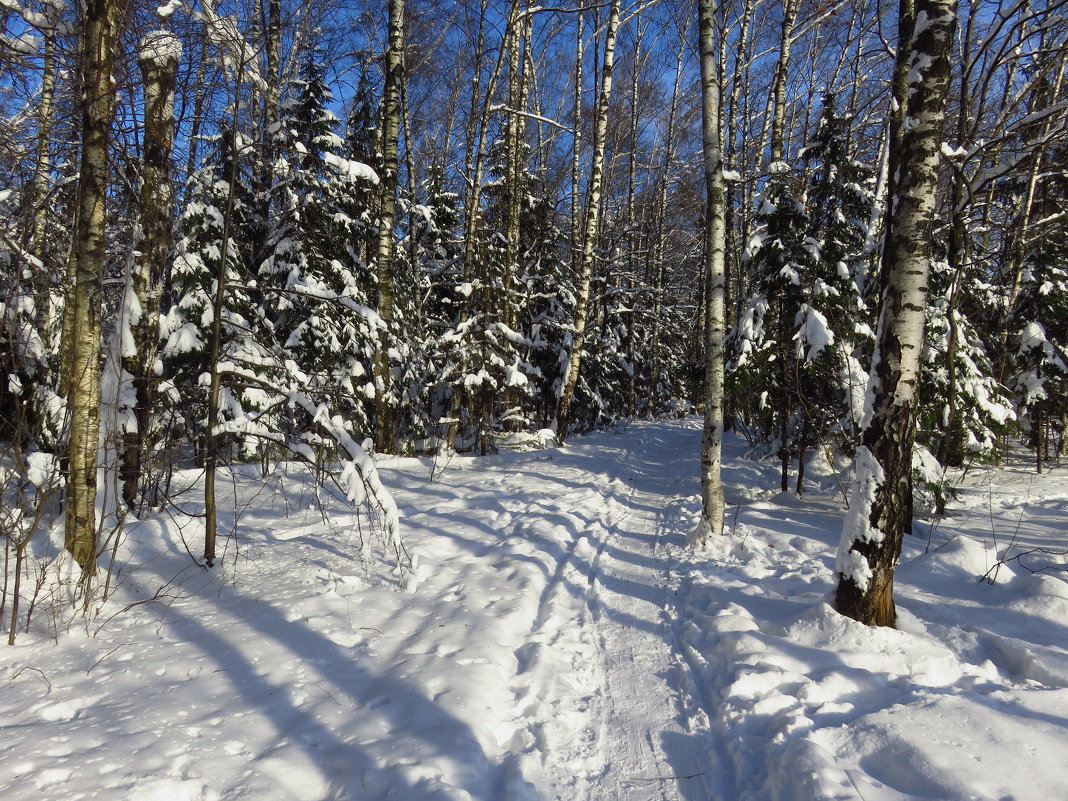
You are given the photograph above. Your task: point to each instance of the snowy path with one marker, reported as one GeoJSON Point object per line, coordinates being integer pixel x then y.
{"type": "Point", "coordinates": [612, 598]}
{"type": "Point", "coordinates": [560, 644]}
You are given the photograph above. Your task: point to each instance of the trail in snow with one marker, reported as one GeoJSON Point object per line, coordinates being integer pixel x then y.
{"type": "Point", "coordinates": [560, 642]}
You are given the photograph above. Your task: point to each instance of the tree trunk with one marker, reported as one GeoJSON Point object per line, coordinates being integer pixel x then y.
{"type": "Point", "coordinates": [42, 157]}
{"type": "Point", "coordinates": [657, 254]}
{"type": "Point", "coordinates": [881, 507]}
{"type": "Point", "coordinates": [593, 218]}
{"type": "Point", "coordinates": [715, 225]}
{"type": "Point", "coordinates": [777, 100]}
{"type": "Point", "coordinates": [211, 441]}
{"type": "Point", "coordinates": [159, 57]}
{"type": "Point", "coordinates": [81, 333]}
{"type": "Point", "coordinates": [384, 433]}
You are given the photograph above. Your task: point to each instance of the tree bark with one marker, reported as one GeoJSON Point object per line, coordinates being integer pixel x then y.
{"type": "Point", "coordinates": [85, 271]}
{"type": "Point", "coordinates": [881, 506]}
{"type": "Point", "coordinates": [593, 218]}
{"type": "Point", "coordinates": [160, 53]}
{"type": "Point", "coordinates": [715, 229]}
{"type": "Point", "coordinates": [384, 433]}
{"type": "Point", "coordinates": [657, 254]}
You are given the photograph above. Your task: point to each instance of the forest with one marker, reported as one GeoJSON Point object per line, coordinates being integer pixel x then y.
{"type": "Point", "coordinates": [252, 233]}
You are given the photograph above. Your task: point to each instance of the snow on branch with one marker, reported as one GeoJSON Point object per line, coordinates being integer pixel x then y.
{"type": "Point", "coordinates": [235, 51]}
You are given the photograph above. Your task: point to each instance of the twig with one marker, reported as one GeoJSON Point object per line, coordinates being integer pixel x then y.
{"type": "Point", "coordinates": [44, 678]}
{"type": "Point", "coordinates": [105, 656]}
{"type": "Point", "coordinates": [637, 779]}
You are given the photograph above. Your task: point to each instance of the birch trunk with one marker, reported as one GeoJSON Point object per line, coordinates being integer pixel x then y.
{"type": "Point", "coordinates": [881, 506]}
{"type": "Point", "coordinates": [715, 225]}
{"type": "Point", "coordinates": [160, 52]}
{"type": "Point", "coordinates": [633, 234]}
{"type": "Point", "coordinates": [661, 238]}
{"type": "Point", "coordinates": [42, 156]}
{"type": "Point", "coordinates": [576, 150]}
{"type": "Point", "coordinates": [387, 209]}
{"type": "Point", "coordinates": [81, 332]}
{"type": "Point", "coordinates": [593, 218]}
{"type": "Point", "coordinates": [777, 100]}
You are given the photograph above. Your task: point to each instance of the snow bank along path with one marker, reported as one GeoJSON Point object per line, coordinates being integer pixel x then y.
{"type": "Point", "coordinates": [559, 643]}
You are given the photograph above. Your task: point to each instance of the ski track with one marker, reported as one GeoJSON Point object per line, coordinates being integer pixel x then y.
{"type": "Point", "coordinates": [558, 642]}
{"type": "Point", "coordinates": [619, 726]}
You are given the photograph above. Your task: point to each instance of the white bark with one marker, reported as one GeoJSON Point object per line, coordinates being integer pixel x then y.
{"type": "Point", "coordinates": [81, 330]}
{"type": "Point", "coordinates": [711, 443]}
{"type": "Point", "coordinates": [593, 219]}
{"type": "Point", "coordinates": [881, 506]}
{"type": "Point", "coordinates": [387, 207]}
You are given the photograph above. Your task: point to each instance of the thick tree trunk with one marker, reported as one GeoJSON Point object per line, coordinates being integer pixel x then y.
{"type": "Point", "coordinates": [715, 226]}
{"type": "Point", "coordinates": [384, 434]}
{"type": "Point", "coordinates": [81, 332]}
{"type": "Point", "coordinates": [159, 57]}
{"type": "Point", "coordinates": [881, 506]}
{"type": "Point", "coordinates": [593, 220]}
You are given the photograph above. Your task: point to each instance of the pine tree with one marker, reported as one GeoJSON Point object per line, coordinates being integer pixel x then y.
{"type": "Point", "coordinates": [981, 410]}
{"type": "Point", "coordinates": [248, 365]}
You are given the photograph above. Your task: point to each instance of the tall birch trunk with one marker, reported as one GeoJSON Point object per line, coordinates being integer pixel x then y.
{"type": "Point", "coordinates": [633, 234]}
{"type": "Point", "coordinates": [715, 229]}
{"type": "Point", "coordinates": [576, 150]}
{"type": "Point", "coordinates": [593, 219]}
{"type": "Point", "coordinates": [384, 434]}
{"type": "Point", "coordinates": [657, 255]}
{"type": "Point", "coordinates": [777, 100]}
{"type": "Point", "coordinates": [45, 116]}
{"type": "Point", "coordinates": [880, 511]}
{"type": "Point", "coordinates": [81, 331]}
{"type": "Point", "coordinates": [158, 61]}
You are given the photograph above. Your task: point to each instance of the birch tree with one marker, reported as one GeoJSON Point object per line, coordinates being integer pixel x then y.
{"type": "Point", "coordinates": [880, 510]}
{"type": "Point", "coordinates": [387, 207]}
{"type": "Point", "coordinates": [158, 61]}
{"type": "Point", "coordinates": [715, 228]}
{"type": "Point", "coordinates": [592, 223]}
{"type": "Point", "coordinates": [85, 270]}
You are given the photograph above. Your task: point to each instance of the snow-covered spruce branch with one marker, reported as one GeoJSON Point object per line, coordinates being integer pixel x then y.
{"type": "Point", "coordinates": [357, 479]}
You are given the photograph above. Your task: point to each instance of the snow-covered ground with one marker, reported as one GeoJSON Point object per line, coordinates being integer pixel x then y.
{"type": "Point", "coordinates": [559, 642]}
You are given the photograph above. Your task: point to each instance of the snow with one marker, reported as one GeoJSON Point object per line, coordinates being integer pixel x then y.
{"type": "Point", "coordinates": [351, 170]}
{"type": "Point", "coordinates": [555, 639]}
{"type": "Point", "coordinates": [168, 8]}
{"type": "Point", "coordinates": [160, 47]}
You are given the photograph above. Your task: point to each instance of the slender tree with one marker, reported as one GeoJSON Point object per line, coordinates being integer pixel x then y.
{"type": "Point", "coordinates": [715, 229]}
{"type": "Point", "coordinates": [593, 221]}
{"type": "Point", "coordinates": [384, 424]}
